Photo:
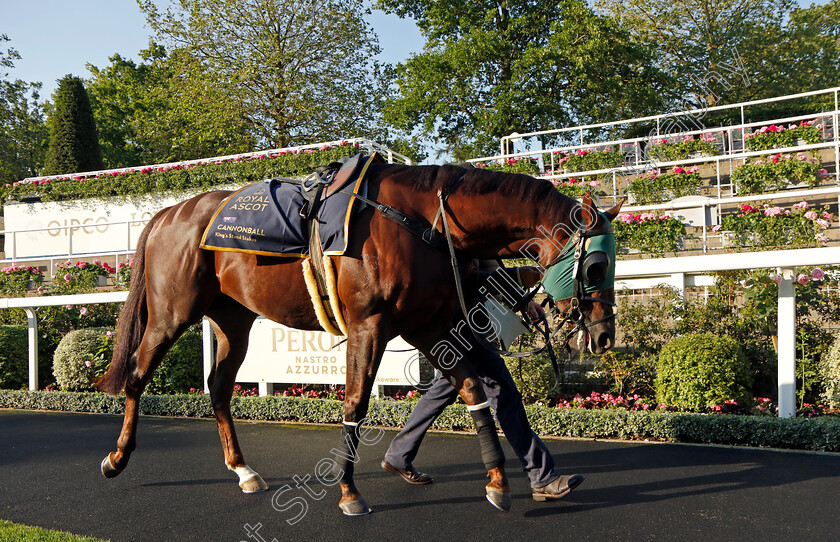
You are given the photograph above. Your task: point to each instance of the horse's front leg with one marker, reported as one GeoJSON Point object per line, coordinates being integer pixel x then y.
{"type": "Point", "coordinates": [365, 345]}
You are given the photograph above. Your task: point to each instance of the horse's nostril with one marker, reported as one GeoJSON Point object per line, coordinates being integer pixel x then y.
{"type": "Point", "coordinates": [605, 341]}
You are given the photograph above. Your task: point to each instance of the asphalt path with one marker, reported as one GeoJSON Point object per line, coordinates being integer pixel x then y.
{"type": "Point", "coordinates": [176, 487]}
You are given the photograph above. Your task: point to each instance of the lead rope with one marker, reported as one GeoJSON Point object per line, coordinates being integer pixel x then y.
{"type": "Point", "coordinates": [455, 269]}
{"type": "Point", "coordinates": [453, 258]}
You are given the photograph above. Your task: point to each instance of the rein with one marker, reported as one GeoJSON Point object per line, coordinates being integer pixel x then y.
{"type": "Point", "coordinates": [573, 314]}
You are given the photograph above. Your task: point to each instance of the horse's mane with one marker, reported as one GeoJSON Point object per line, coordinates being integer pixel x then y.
{"type": "Point", "coordinates": [480, 181]}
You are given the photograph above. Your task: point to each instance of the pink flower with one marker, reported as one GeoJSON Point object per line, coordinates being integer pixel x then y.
{"type": "Point", "coordinates": [823, 224]}
{"type": "Point", "coordinates": [777, 278]}
{"type": "Point", "coordinates": [821, 238]}
{"type": "Point", "coordinates": [87, 364]}
{"type": "Point", "coordinates": [803, 279]}
{"type": "Point", "coordinates": [678, 169]}
{"type": "Point", "coordinates": [817, 273]}
{"type": "Point", "coordinates": [826, 215]}
{"type": "Point", "coordinates": [83, 311]}
{"type": "Point", "coordinates": [717, 228]}
{"type": "Point", "coordinates": [801, 205]}
{"type": "Point", "coordinates": [811, 215]}
{"type": "Point", "coordinates": [68, 277]}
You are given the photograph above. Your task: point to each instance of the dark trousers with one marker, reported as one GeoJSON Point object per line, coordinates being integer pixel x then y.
{"type": "Point", "coordinates": [505, 400]}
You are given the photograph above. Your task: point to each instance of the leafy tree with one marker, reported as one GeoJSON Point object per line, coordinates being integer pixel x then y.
{"type": "Point", "coordinates": [146, 114]}
{"type": "Point", "coordinates": [295, 72]}
{"type": "Point", "coordinates": [490, 68]}
{"type": "Point", "coordinates": [74, 145]}
{"type": "Point", "coordinates": [812, 48]}
{"type": "Point", "coordinates": [726, 51]}
{"type": "Point", "coordinates": [22, 128]}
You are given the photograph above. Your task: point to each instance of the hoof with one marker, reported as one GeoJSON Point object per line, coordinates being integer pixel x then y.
{"type": "Point", "coordinates": [356, 507]}
{"type": "Point", "coordinates": [498, 498]}
{"type": "Point", "coordinates": [255, 484]}
{"type": "Point", "coordinates": [108, 468]}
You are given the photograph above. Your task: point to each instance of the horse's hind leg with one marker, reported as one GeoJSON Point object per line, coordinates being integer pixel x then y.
{"type": "Point", "coordinates": [157, 340]}
{"type": "Point", "coordinates": [231, 323]}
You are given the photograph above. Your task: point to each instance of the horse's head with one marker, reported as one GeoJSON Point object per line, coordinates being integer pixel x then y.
{"type": "Point", "coordinates": [581, 279]}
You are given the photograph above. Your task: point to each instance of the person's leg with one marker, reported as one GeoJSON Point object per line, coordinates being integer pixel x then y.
{"type": "Point", "coordinates": [404, 447]}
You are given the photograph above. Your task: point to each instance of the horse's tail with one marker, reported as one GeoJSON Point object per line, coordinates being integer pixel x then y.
{"type": "Point", "coordinates": [131, 324]}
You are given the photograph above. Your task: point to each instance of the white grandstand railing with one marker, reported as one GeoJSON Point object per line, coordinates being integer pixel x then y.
{"type": "Point", "coordinates": [691, 113]}
{"type": "Point", "coordinates": [368, 144]}
{"type": "Point", "coordinates": [12, 238]}
{"type": "Point", "coordinates": [639, 160]}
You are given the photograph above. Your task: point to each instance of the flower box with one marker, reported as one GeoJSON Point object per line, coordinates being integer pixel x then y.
{"type": "Point", "coordinates": [649, 233]}
{"type": "Point", "coordinates": [655, 187]}
{"type": "Point", "coordinates": [776, 136]}
{"type": "Point", "coordinates": [775, 228]}
{"type": "Point", "coordinates": [777, 172]}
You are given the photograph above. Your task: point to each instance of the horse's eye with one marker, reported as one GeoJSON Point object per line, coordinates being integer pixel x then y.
{"type": "Point", "coordinates": [595, 267]}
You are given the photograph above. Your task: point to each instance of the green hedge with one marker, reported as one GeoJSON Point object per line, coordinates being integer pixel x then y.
{"type": "Point", "coordinates": [821, 434]}
{"type": "Point", "coordinates": [14, 357]}
{"type": "Point", "coordinates": [179, 179]}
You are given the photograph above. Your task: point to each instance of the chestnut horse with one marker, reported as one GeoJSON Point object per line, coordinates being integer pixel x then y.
{"type": "Point", "coordinates": [390, 283]}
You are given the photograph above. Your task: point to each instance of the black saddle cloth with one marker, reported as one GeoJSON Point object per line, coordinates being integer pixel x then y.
{"type": "Point", "coordinates": [264, 218]}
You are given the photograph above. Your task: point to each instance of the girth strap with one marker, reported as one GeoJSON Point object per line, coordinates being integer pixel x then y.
{"type": "Point", "coordinates": [316, 256]}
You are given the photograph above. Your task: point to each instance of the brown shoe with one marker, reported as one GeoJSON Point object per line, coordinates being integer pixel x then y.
{"type": "Point", "coordinates": [557, 489]}
{"type": "Point", "coordinates": [409, 475]}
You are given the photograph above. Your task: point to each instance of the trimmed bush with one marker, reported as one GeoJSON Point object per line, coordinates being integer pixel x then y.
{"type": "Point", "coordinates": [14, 357]}
{"type": "Point", "coordinates": [534, 376]}
{"type": "Point", "coordinates": [81, 357]}
{"type": "Point", "coordinates": [698, 371]}
{"type": "Point", "coordinates": [182, 367]}
{"type": "Point", "coordinates": [829, 369]}
{"type": "Point", "coordinates": [796, 433]}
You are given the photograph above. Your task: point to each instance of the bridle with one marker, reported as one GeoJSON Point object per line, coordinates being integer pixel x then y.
{"type": "Point", "coordinates": [591, 268]}
{"type": "Point", "coordinates": [589, 271]}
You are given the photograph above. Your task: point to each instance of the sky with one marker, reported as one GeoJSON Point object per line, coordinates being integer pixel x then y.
{"type": "Point", "coordinates": [59, 37]}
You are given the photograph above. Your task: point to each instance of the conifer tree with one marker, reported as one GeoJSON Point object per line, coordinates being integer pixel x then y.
{"type": "Point", "coordinates": [74, 144]}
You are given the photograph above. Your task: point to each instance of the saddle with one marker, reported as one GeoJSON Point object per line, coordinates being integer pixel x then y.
{"type": "Point", "coordinates": [318, 269]}
{"type": "Point", "coordinates": [318, 187]}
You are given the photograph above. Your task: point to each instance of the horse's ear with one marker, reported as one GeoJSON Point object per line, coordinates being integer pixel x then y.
{"type": "Point", "coordinates": [613, 212]}
{"type": "Point", "coordinates": [590, 213]}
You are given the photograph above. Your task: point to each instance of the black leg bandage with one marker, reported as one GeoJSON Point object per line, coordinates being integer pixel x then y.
{"type": "Point", "coordinates": [347, 453]}
{"type": "Point", "coordinates": [491, 449]}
